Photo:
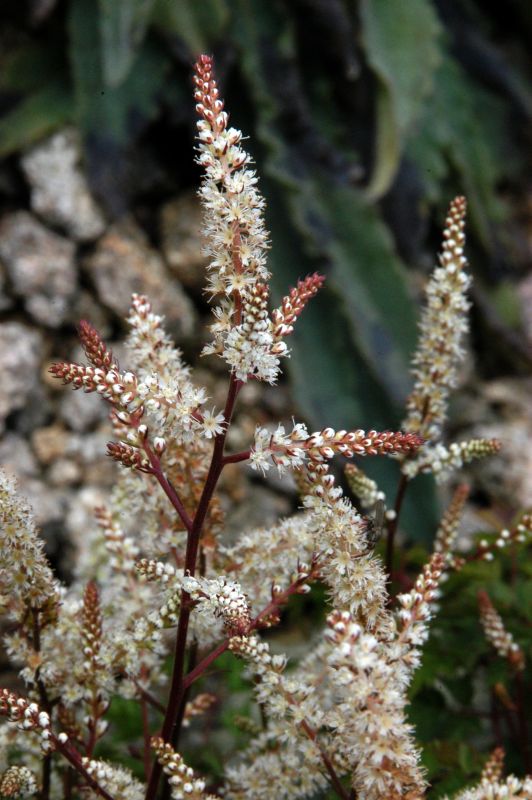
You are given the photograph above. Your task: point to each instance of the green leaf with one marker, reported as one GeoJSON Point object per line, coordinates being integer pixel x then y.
{"type": "Point", "coordinates": [461, 134]}
{"type": "Point", "coordinates": [401, 44]}
{"type": "Point", "coordinates": [368, 274]}
{"type": "Point", "coordinates": [103, 111]}
{"type": "Point", "coordinates": [199, 24]}
{"type": "Point", "coordinates": [34, 117]}
{"type": "Point", "coordinates": [123, 25]}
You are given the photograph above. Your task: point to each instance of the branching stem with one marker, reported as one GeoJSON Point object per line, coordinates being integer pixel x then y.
{"type": "Point", "coordinates": [394, 523]}
{"type": "Point", "coordinates": [194, 534]}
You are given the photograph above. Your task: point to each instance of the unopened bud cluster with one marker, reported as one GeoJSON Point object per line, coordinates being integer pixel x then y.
{"type": "Point", "coordinates": [184, 785]}
{"type": "Point", "coordinates": [496, 633]}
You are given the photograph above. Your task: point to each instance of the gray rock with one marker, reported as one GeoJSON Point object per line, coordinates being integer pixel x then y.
{"type": "Point", "coordinates": [124, 263]}
{"type": "Point", "coordinates": [40, 265]}
{"type": "Point", "coordinates": [81, 411]}
{"type": "Point", "coordinates": [181, 239]}
{"type": "Point", "coordinates": [59, 190]}
{"type": "Point", "coordinates": [16, 456]}
{"type": "Point", "coordinates": [20, 355]}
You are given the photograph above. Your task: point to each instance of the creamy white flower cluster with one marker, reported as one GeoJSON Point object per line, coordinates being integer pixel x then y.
{"type": "Point", "coordinates": [511, 788]}
{"type": "Point", "coordinates": [223, 598]}
{"type": "Point", "coordinates": [26, 580]}
{"type": "Point", "coordinates": [123, 550]}
{"type": "Point", "coordinates": [417, 608]}
{"type": "Point", "coordinates": [150, 346]}
{"type": "Point", "coordinates": [280, 552]}
{"type": "Point", "coordinates": [18, 782]}
{"type": "Point", "coordinates": [443, 325]}
{"type": "Point", "coordinates": [443, 461]}
{"type": "Point", "coordinates": [28, 716]}
{"type": "Point", "coordinates": [165, 398]}
{"type": "Point", "coordinates": [368, 714]}
{"type": "Point", "coordinates": [292, 713]}
{"type": "Point", "coordinates": [362, 486]}
{"type": "Point", "coordinates": [117, 781]}
{"type": "Point", "coordinates": [237, 241]}
{"type": "Point", "coordinates": [356, 579]}
{"type": "Point", "coordinates": [250, 348]}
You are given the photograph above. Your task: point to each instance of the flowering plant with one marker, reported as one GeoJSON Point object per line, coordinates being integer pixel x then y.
{"type": "Point", "coordinates": [157, 580]}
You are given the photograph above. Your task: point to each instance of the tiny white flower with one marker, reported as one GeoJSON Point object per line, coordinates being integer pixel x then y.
{"type": "Point", "coordinates": [212, 423]}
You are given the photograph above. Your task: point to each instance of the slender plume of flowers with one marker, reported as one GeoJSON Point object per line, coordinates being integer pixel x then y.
{"type": "Point", "coordinates": [497, 635]}
{"type": "Point", "coordinates": [157, 582]}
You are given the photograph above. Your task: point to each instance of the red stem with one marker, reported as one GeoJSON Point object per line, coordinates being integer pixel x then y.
{"type": "Point", "coordinates": [74, 758]}
{"type": "Point", "coordinates": [146, 736]}
{"type": "Point", "coordinates": [45, 705]}
{"type": "Point", "coordinates": [235, 458]}
{"type": "Point", "coordinates": [194, 533]}
{"type": "Point", "coordinates": [335, 780]}
{"type": "Point", "coordinates": [167, 487]}
{"type": "Point", "coordinates": [393, 525]}
{"type": "Point", "coordinates": [522, 721]}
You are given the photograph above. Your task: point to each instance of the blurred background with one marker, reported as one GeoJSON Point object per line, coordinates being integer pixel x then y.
{"type": "Point", "coordinates": [365, 118]}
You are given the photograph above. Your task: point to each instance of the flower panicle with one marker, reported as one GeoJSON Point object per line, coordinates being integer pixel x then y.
{"type": "Point", "coordinates": [365, 488]}
{"type": "Point", "coordinates": [91, 627]}
{"type": "Point", "coordinates": [494, 767]}
{"type": "Point", "coordinates": [292, 450]}
{"type": "Point", "coordinates": [417, 607]}
{"type": "Point", "coordinates": [293, 304]}
{"type": "Point", "coordinates": [18, 782]}
{"type": "Point", "coordinates": [448, 528]}
{"type": "Point", "coordinates": [443, 461]}
{"type": "Point", "coordinates": [95, 348]}
{"type": "Point", "coordinates": [128, 456]}
{"type": "Point", "coordinates": [25, 574]}
{"type": "Point", "coordinates": [497, 635]}
{"type": "Point", "coordinates": [244, 333]}
{"type": "Point", "coordinates": [28, 716]}
{"type": "Point", "coordinates": [442, 328]}
{"type": "Point", "coordinates": [183, 781]}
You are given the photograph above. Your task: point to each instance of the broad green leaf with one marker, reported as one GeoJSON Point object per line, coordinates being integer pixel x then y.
{"type": "Point", "coordinates": [199, 24]}
{"type": "Point", "coordinates": [123, 25]}
{"type": "Point", "coordinates": [372, 281]}
{"type": "Point", "coordinates": [103, 111]}
{"type": "Point", "coordinates": [34, 117]}
{"type": "Point", "coordinates": [461, 134]}
{"type": "Point", "coordinates": [401, 45]}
